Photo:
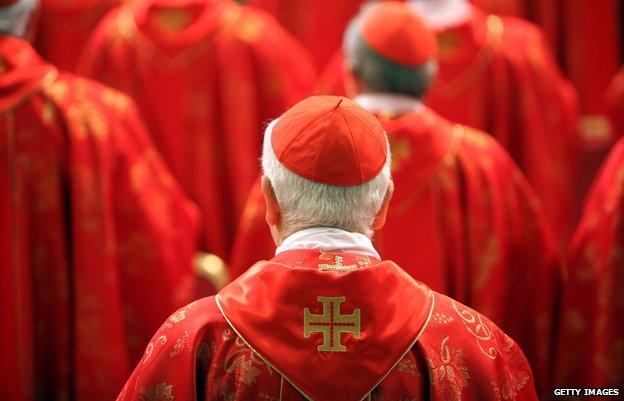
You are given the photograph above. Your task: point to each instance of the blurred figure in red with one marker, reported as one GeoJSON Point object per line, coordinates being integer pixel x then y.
{"type": "Point", "coordinates": [591, 340]}
{"type": "Point", "coordinates": [572, 28]}
{"type": "Point", "coordinates": [319, 25]}
{"type": "Point", "coordinates": [64, 27]}
{"type": "Point", "coordinates": [96, 238]}
{"type": "Point", "coordinates": [207, 75]}
{"type": "Point", "coordinates": [497, 74]}
{"type": "Point", "coordinates": [463, 218]}
{"type": "Point", "coordinates": [613, 104]}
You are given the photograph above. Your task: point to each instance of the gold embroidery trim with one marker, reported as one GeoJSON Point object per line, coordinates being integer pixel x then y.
{"type": "Point", "coordinates": [337, 266]}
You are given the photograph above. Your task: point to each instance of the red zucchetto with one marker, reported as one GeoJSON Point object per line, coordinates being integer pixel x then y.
{"type": "Point", "coordinates": [395, 32]}
{"type": "Point", "coordinates": [330, 140]}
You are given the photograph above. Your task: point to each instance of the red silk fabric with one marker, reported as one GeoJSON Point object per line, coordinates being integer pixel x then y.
{"type": "Point", "coordinates": [318, 25]}
{"type": "Point", "coordinates": [590, 351]}
{"type": "Point", "coordinates": [497, 74]}
{"type": "Point", "coordinates": [480, 234]}
{"type": "Point", "coordinates": [64, 26]}
{"type": "Point", "coordinates": [207, 77]}
{"type": "Point", "coordinates": [613, 104]}
{"type": "Point", "coordinates": [96, 238]}
{"type": "Point", "coordinates": [201, 353]}
{"type": "Point", "coordinates": [572, 29]}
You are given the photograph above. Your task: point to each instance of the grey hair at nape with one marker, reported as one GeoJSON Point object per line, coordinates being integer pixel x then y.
{"type": "Point", "coordinates": [15, 19]}
{"type": "Point", "coordinates": [305, 204]}
{"type": "Point", "coordinates": [379, 74]}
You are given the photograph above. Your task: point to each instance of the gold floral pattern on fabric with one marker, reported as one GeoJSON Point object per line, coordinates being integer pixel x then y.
{"type": "Point", "coordinates": [161, 340]}
{"type": "Point", "coordinates": [180, 344]}
{"type": "Point", "coordinates": [490, 344]}
{"type": "Point", "coordinates": [511, 384]}
{"type": "Point", "coordinates": [326, 255]}
{"type": "Point", "coordinates": [48, 113]}
{"type": "Point", "coordinates": [172, 20]}
{"type": "Point", "coordinates": [363, 261]}
{"type": "Point", "coordinates": [449, 373]}
{"type": "Point", "coordinates": [441, 318]}
{"type": "Point", "coordinates": [401, 151]}
{"type": "Point", "coordinates": [58, 91]}
{"type": "Point", "coordinates": [408, 366]}
{"type": "Point", "coordinates": [158, 392]}
{"type": "Point", "coordinates": [180, 314]}
{"type": "Point", "coordinates": [338, 265]}
{"type": "Point", "coordinates": [487, 260]}
{"type": "Point", "coordinates": [250, 28]}
{"type": "Point", "coordinates": [244, 363]}
{"type": "Point", "coordinates": [125, 26]}
{"type": "Point", "coordinates": [115, 100]}
{"type": "Point", "coordinates": [86, 117]}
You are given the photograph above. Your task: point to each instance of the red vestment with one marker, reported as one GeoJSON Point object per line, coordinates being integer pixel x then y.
{"type": "Point", "coordinates": [591, 342]}
{"type": "Point", "coordinates": [318, 25]}
{"type": "Point", "coordinates": [207, 76]}
{"type": "Point", "coordinates": [64, 27]}
{"type": "Point", "coordinates": [96, 238]}
{"type": "Point", "coordinates": [496, 74]}
{"type": "Point", "coordinates": [336, 327]}
{"type": "Point", "coordinates": [463, 220]}
{"type": "Point", "coordinates": [572, 29]}
{"type": "Point", "coordinates": [613, 104]}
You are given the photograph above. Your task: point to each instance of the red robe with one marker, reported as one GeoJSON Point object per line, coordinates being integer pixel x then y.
{"type": "Point", "coordinates": [207, 75]}
{"type": "Point", "coordinates": [476, 230]}
{"type": "Point", "coordinates": [300, 324]}
{"type": "Point", "coordinates": [318, 25]}
{"type": "Point", "coordinates": [572, 29]}
{"type": "Point", "coordinates": [96, 238]}
{"type": "Point", "coordinates": [591, 344]}
{"type": "Point", "coordinates": [613, 104]}
{"type": "Point", "coordinates": [64, 27]}
{"type": "Point", "coordinates": [496, 74]}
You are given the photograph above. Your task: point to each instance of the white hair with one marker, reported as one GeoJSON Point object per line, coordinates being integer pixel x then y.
{"type": "Point", "coordinates": [305, 203]}
{"type": "Point", "coordinates": [14, 19]}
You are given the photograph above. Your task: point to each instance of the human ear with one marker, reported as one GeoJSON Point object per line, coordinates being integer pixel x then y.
{"type": "Point", "coordinates": [380, 218]}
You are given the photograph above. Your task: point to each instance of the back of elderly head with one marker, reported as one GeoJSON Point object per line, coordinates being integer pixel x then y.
{"type": "Point", "coordinates": [388, 49]}
{"type": "Point", "coordinates": [16, 16]}
{"type": "Point", "coordinates": [326, 163]}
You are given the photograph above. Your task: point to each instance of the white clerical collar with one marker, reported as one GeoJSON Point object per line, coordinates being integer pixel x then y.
{"type": "Point", "coordinates": [443, 14]}
{"type": "Point", "coordinates": [388, 102]}
{"type": "Point", "coordinates": [329, 239]}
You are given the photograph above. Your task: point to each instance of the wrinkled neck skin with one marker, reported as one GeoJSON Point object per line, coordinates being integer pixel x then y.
{"type": "Point", "coordinates": [16, 20]}
{"type": "Point", "coordinates": [442, 14]}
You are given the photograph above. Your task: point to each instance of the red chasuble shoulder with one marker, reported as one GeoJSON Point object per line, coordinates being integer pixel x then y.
{"type": "Point", "coordinates": [324, 326]}
{"type": "Point", "coordinates": [318, 316]}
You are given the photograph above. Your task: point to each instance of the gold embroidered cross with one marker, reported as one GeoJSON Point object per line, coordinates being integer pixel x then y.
{"type": "Point", "coordinates": [331, 324]}
{"type": "Point", "coordinates": [337, 266]}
